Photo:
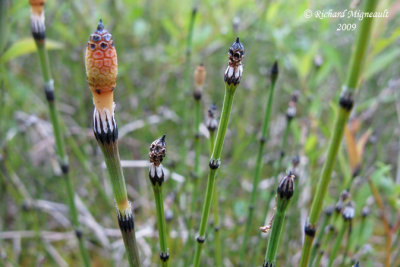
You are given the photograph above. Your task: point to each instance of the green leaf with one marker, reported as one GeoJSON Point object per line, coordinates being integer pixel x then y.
{"type": "Point", "coordinates": [26, 46]}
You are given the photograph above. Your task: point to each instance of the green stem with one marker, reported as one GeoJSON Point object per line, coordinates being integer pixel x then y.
{"type": "Point", "coordinates": [217, 235]}
{"type": "Point", "coordinates": [276, 173]}
{"type": "Point", "coordinates": [317, 244]}
{"type": "Point", "coordinates": [162, 226]}
{"type": "Point", "coordinates": [319, 257]}
{"type": "Point", "coordinates": [187, 72]}
{"type": "Point", "coordinates": [112, 160]}
{"type": "Point", "coordinates": [337, 244]}
{"type": "Point", "coordinates": [257, 172]}
{"type": "Point", "coordinates": [345, 104]}
{"type": "Point", "coordinates": [275, 236]}
{"type": "Point", "coordinates": [197, 148]}
{"type": "Point", "coordinates": [60, 148]}
{"type": "Point", "coordinates": [214, 161]}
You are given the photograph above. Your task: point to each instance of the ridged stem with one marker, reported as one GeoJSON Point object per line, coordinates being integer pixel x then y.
{"type": "Point", "coordinates": [345, 107]}
{"type": "Point", "coordinates": [197, 147]}
{"type": "Point", "coordinates": [187, 71]}
{"type": "Point", "coordinates": [217, 235]}
{"type": "Point", "coordinates": [161, 224]}
{"type": "Point", "coordinates": [60, 148]}
{"type": "Point", "coordinates": [317, 244]}
{"type": "Point", "coordinates": [257, 171]}
{"type": "Point", "coordinates": [125, 217]}
{"type": "Point", "coordinates": [214, 164]}
{"type": "Point", "coordinates": [337, 243]}
{"type": "Point", "coordinates": [277, 170]}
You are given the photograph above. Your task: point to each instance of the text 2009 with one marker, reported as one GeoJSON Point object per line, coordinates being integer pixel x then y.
{"type": "Point", "coordinates": [346, 27]}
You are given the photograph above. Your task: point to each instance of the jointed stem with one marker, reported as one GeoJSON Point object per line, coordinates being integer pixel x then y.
{"type": "Point", "coordinates": [346, 104]}
{"type": "Point", "coordinates": [214, 164]}
{"type": "Point", "coordinates": [217, 235]}
{"type": "Point", "coordinates": [112, 160]}
{"type": "Point", "coordinates": [162, 227]}
{"type": "Point", "coordinates": [274, 238]}
{"type": "Point", "coordinates": [338, 242]}
{"type": "Point", "coordinates": [60, 148]}
{"type": "Point", "coordinates": [197, 148]}
{"type": "Point", "coordinates": [257, 172]}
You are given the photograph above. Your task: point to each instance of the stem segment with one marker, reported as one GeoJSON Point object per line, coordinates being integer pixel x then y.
{"type": "Point", "coordinates": [345, 106]}
{"type": "Point", "coordinates": [60, 148]}
{"type": "Point", "coordinates": [257, 172]}
{"type": "Point", "coordinates": [214, 164]}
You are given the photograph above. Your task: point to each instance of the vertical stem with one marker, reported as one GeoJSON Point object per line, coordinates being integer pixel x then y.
{"type": "Point", "coordinates": [217, 235]}
{"type": "Point", "coordinates": [337, 244]}
{"type": "Point", "coordinates": [214, 164]}
{"type": "Point", "coordinates": [273, 241]}
{"type": "Point", "coordinates": [162, 227]}
{"type": "Point", "coordinates": [187, 71]}
{"type": "Point", "coordinates": [60, 149]}
{"type": "Point", "coordinates": [257, 171]}
{"type": "Point", "coordinates": [196, 157]}
{"type": "Point", "coordinates": [124, 210]}
{"type": "Point", "coordinates": [317, 244]}
{"type": "Point", "coordinates": [345, 105]}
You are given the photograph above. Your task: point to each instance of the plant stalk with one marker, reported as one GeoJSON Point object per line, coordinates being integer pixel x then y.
{"type": "Point", "coordinates": [124, 209]}
{"type": "Point", "coordinates": [345, 106]}
{"type": "Point", "coordinates": [258, 168]}
{"type": "Point", "coordinates": [60, 147]}
{"type": "Point", "coordinates": [214, 164]}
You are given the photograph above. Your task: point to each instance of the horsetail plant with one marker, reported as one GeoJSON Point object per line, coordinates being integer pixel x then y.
{"type": "Point", "coordinates": [199, 78]}
{"type": "Point", "coordinates": [38, 30]}
{"type": "Point", "coordinates": [212, 125]}
{"type": "Point", "coordinates": [263, 138]}
{"type": "Point", "coordinates": [232, 77]}
{"type": "Point", "coordinates": [284, 194]}
{"type": "Point", "coordinates": [347, 215]}
{"type": "Point", "coordinates": [101, 70]}
{"type": "Point", "coordinates": [290, 115]}
{"type": "Point", "coordinates": [328, 214]}
{"type": "Point", "coordinates": [188, 54]}
{"type": "Point", "coordinates": [346, 103]}
{"type": "Point", "coordinates": [156, 175]}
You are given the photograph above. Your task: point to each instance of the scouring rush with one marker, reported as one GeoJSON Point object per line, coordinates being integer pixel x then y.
{"type": "Point", "coordinates": [102, 70]}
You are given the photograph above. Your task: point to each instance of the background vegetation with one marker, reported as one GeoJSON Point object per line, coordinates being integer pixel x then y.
{"type": "Point", "coordinates": [150, 38]}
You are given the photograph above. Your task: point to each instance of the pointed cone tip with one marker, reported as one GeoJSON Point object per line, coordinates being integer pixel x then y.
{"type": "Point", "coordinates": [237, 40]}
{"type": "Point", "coordinates": [100, 26]}
{"type": "Point", "coordinates": [163, 138]}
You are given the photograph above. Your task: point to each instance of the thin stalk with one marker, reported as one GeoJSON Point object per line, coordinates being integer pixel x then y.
{"type": "Point", "coordinates": [337, 243]}
{"type": "Point", "coordinates": [196, 170]}
{"type": "Point", "coordinates": [284, 194]}
{"type": "Point", "coordinates": [162, 227]}
{"type": "Point", "coordinates": [258, 168]}
{"type": "Point", "coordinates": [319, 257]}
{"type": "Point", "coordinates": [214, 164]}
{"type": "Point", "coordinates": [345, 106]}
{"type": "Point", "coordinates": [232, 77]}
{"type": "Point", "coordinates": [60, 147]}
{"type": "Point", "coordinates": [187, 70]}
{"type": "Point", "coordinates": [124, 210]}
{"type": "Point", "coordinates": [320, 235]}
{"type": "Point", "coordinates": [347, 247]}
{"type": "Point", "coordinates": [156, 175]}
{"type": "Point", "coordinates": [217, 235]}
{"type": "Point", "coordinates": [277, 170]}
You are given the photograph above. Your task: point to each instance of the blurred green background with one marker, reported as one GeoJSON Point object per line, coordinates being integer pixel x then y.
{"type": "Point", "coordinates": [151, 97]}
